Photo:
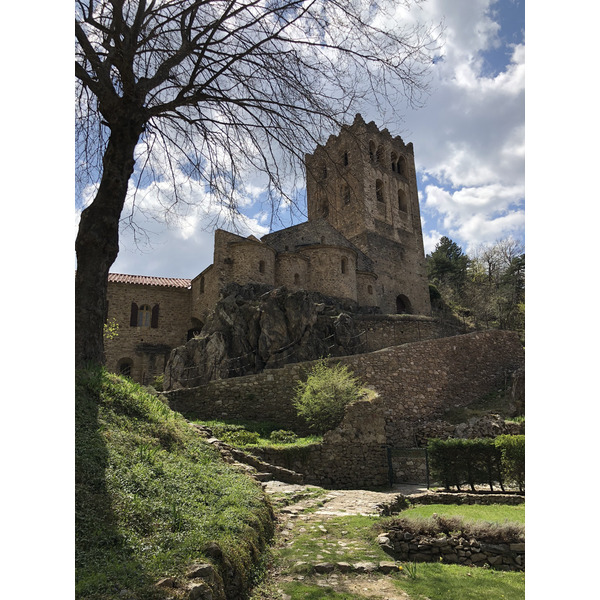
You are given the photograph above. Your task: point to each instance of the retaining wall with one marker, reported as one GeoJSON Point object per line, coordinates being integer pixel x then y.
{"type": "Point", "coordinates": [415, 382]}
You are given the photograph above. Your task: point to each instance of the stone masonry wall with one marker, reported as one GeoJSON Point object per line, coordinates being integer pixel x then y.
{"type": "Point", "coordinates": [415, 382]}
{"type": "Point", "coordinates": [146, 348]}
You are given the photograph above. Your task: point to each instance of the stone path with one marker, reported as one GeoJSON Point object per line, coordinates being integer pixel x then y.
{"type": "Point", "coordinates": [304, 511]}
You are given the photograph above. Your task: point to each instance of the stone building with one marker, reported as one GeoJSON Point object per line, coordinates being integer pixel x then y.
{"type": "Point", "coordinates": [362, 242]}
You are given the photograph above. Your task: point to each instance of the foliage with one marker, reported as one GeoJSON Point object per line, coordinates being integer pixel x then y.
{"type": "Point", "coordinates": [486, 287]}
{"type": "Point", "coordinates": [512, 449]}
{"type": "Point", "coordinates": [264, 429]}
{"type": "Point", "coordinates": [457, 461]}
{"type": "Point", "coordinates": [323, 397]}
{"type": "Point", "coordinates": [150, 495]}
{"type": "Point", "coordinates": [111, 329]}
{"type": "Point", "coordinates": [447, 264]}
{"type": "Point", "coordinates": [283, 436]}
{"type": "Point", "coordinates": [158, 382]}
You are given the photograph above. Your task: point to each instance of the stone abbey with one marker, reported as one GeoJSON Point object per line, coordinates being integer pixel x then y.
{"type": "Point", "coordinates": [362, 242]}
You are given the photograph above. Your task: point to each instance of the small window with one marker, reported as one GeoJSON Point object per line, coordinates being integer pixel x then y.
{"type": "Point", "coordinates": [296, 279]}
{"type": "Point", "coordinates": [402, 203]}
{"type": "Point", "coordinates": [402, 166]}
{"type": "Point", "coordinates": [124, 366]}
{"type": "Point", "coordinates": [144, 316]}
{"type": "Point", "coordinates": [379, 190]}
{"type": "Point", "coordinates": [346, 194]}
{"type": "Point", "coordinates": [380, 154]}
{"type": "Point", "coordinates": [394, 160]}
{"type": "Point", "coordinates": [345, 159]}
{"type": "Point", "coordinates": [344, 265]}
{"type": "Point", "coordinates": [261, 266]}
{"type": "Point", "coordinates": [372, 151]}
{"type": "Point", "coordinates": [370, 290]}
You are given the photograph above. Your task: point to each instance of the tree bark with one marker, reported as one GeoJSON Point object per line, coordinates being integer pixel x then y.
{"type": "Point", "coordinates": [97, 242]}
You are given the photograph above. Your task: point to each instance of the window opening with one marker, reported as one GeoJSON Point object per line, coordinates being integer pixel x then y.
{"type": "Point", "coordinates": [379, 190]}
{"type": "Point", "coordinates": [402, 204]}
{"type": "Point", "coordinates": [144, 315]}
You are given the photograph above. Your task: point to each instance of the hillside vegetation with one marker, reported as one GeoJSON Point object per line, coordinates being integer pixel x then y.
{"type": "Point", "coordinates": [153, 498]}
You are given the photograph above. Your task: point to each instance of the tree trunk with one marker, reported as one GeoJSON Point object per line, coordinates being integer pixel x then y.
{"type": "Point", "coordinates": [97, 243]}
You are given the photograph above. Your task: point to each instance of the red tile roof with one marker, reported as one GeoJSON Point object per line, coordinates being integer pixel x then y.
{"type": "Point", "coordinates": [146, 280]}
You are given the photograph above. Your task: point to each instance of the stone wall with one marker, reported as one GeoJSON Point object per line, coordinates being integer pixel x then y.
{"type": "Point", "coordinates": [146, 349]}
{"type": "Point", "coordinates": [415, 382]}
{"type": "Point", "coordinates": [454, 549]}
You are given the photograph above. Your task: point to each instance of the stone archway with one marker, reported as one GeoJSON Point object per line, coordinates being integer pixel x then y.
{"type": "Point", "coordinates": [403, 305]}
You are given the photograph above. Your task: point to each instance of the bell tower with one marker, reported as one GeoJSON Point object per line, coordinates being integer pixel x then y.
{"type": "Point", "coordinates": [363, 182]}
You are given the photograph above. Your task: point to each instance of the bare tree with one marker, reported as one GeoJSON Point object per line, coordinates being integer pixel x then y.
{"type": "Point", "coordinates": [216, 86]}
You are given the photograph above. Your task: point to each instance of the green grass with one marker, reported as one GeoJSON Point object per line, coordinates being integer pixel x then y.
{"type": "Point", "coordinates": [495, 513]}
{"type": "Point", "coordinates": [436, 581]}
{"type": "Point", "coordinates": [264, 430]}
{"type": "Point", "coordinates": [151, 495]}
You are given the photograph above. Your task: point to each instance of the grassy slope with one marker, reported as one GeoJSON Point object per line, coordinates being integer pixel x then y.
{"type": "Point", "coordinates": [150, 495]}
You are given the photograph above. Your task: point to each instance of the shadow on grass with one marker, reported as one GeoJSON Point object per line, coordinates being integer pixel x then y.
{"type": "Point", "coordinates": [105, 565]}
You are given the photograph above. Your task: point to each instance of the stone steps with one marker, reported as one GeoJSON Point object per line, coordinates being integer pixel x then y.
{"type": "Point", "coordinates": [257, 468]}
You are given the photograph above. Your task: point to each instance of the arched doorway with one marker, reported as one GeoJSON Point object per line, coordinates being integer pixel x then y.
{"type": "Point", "coordinates": [403, 306]}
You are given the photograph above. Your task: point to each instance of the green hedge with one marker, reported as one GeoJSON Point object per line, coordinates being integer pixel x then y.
{"type": "Point", "coordinates": [512, 451]}
{"type": "Point", "coordinates": [458, 462]}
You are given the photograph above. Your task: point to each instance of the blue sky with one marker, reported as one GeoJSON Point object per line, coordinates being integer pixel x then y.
{"type": "Point", "coordinates": [468, 140]}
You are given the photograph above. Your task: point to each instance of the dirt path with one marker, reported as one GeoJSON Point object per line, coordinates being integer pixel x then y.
{"type": "Point", "coordinates": [318, 552]}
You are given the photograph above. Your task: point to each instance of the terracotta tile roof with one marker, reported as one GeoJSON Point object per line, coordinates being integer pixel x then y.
{"type": "Point", "coordinates": [147, 280]}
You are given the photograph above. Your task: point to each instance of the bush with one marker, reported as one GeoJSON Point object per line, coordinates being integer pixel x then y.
{"type": "Point", "coordinates": [323, 397]}
{"type": "Point", "coordinates": [283, 436]}
{"type": "Point", "coordinates": [241, 437]}
{"type": "Point", "coordinates": [456, 462]}
{"type": "Point", "coordinates": [512, 450]}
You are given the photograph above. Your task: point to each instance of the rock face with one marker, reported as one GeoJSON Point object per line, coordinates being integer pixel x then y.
{"type": "Point", "coordinates": [255, 327]}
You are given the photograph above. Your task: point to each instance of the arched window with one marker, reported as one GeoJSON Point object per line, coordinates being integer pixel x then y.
{"type": "Point", "coordinates": [370, 290]}
{"type": "Point", "coordinates": [296, 279]}
{"type": "Point", "coordinates": [372, 151]}
{"type": "Point", "coordinates": [402, 166]}
{"type": "Point", "coordinates": [380, 155]}
{"type": "Point", "coordinates": [344, 265]}
{"type": "Point", "coordinates": [394, 160]}
{"type": "Point", "coordinates": [345, 159]}
{"type": "Point", "coordinates": [379, 190]}
{"type": "Point", "coordinates": [261, 266]}
{"type": "Point", "coordinates": [402, 203]}
{"type": "Point", "coordinates": [403, 305]}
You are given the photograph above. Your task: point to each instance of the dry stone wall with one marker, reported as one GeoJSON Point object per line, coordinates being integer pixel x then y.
{"type": "Point", "coordinates": [415, 383]}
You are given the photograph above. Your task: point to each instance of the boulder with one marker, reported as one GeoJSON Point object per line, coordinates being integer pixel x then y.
{"type": "Point", "coordinates": [256, 327]}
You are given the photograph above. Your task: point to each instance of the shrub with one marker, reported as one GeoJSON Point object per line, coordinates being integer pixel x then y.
{"type": "Point", "coordinates": [283, 436]}
{"type": "Point", "coordinates": [240, 437]}
{"type": "Point", "coordinates": [457, 461]}
{"type": "Point", "coordinates": [512, 450]}
{"type": "Point", "coordinates": [323, 397]}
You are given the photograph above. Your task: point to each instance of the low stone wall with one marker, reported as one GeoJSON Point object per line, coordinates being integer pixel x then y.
{"type": "Point", "coordinates": [416, 382]}
{"type": "Point", "coordinates": [454, 549]}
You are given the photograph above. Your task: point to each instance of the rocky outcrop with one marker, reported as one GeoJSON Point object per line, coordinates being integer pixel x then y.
{"type": "Point", "coordinates": [255, 327]}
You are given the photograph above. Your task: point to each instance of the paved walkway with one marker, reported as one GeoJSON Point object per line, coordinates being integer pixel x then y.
{"type": "Point", "coordinates": [343, 502]}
